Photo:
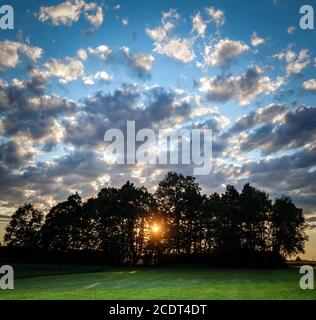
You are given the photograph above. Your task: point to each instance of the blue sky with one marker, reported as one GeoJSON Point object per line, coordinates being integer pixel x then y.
{"type": "Point", "coordinates": [71, 69]}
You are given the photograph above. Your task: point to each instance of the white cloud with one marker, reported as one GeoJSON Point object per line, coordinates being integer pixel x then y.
{"type": "Point", "coordinates": [243, 89]}
{"type": "Point", "coordinates": [66, 70]}
{"type": "Point", "coordinates": [199, 25]}
{"type": "Point", "coordinates": [296, 63]}
{"type": "Point", "coordinates": [140, 63]}
{"type": "Point", "coordinates": [223, 52]}
{"type": "Point", "coordinates": [95, 19]}
{"type": "Point", "coordinates": [10, 53]}
{"type": "Point", "coordinates": [169, 17]}
{"type": "Point", "coordinates": [100, 76]}
{"type": "Point", "coordinates": [101, 52]}
{"type": "Point", "coordinates": [256, 40]}
{"type": "Point", "coordinates": [173, 47]}
{"type": "Point", "coordinates": [157, 34]}
{"type": "Point", "coordinates": [143, 61]}
{"type": "Point", "coordinates": [82, 54]}
{"type": "Point", "coordinates": [70, 11]}
{"type": "Point", "coordinates": [296, 66]}
{"type": "Point", "coordinates": [125, 21]}
{"type": "Point", "coordinates": [217, 16]}
{"type": "Point", "coordinates": [288, 55]}
{"type": "Point", "coordinates": [176, 48]}
{"type": "Point", "coordinates": [64, 13]}
{"type": "Point", "coordinates": [310, 85]}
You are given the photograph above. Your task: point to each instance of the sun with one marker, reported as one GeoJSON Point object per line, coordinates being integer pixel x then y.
{"type": "Point", "coordinates": [155, 228]}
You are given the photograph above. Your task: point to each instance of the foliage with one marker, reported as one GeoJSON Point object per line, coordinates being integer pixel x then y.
{"type": "Point", "coordinates": [233, 228]}
{"type": "Point", "coordinates": [23, 229]}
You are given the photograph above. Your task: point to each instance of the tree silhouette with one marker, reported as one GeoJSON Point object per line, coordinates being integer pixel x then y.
{"type": "Point", "coordinates": [255, 209]}
{"type": "Point", "coordinates": [61, 231]}
{"type": "Point", "coordinates": [233, 228]}
{"type": "Point", "coordinates": [179, 200]}
{"type": "Point", "coordinates": [288, 225]}
{"type": "Point", "coordinates": [24, 226]}
{"type": "Point", "coordinates": [229, 224]}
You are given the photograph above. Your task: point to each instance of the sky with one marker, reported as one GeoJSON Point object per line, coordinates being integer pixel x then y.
{"type": "Point", "coordinates": [70, 70]}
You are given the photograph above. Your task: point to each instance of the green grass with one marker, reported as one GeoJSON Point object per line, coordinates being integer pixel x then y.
{"type": "Point", "coordinates": [92, 282]}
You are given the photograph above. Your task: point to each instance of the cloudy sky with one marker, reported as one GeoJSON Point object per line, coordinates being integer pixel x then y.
{"type": "Point", "coordinates": [71, 70]}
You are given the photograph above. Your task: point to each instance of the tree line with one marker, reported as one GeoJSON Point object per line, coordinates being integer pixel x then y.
{"type": "Point", "coordinates": [176, 223]}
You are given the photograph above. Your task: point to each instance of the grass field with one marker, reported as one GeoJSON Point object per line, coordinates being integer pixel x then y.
{"type": "Point", "coordinates": [92, 282]}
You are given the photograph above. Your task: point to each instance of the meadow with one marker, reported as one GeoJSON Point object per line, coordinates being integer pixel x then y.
{"type": "Point", "coordinates": [64, 282]}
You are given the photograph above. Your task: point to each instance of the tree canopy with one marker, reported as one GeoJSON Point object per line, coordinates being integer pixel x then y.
{"type": "Point", "coordinates": [188, 225]}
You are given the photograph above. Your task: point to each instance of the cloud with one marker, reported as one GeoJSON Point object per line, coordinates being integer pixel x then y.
{"type": "Point", "coordinates": [310, 85]}
{"type": "Point", "coordinates": [256, 40]}
{"type": "Point", "coordinates": [243, 89]}
{"type": "Point", "coordinates": [82, 54]}
{"type": "Point", "coordinates": [64, 13]}
{"type": "Point", "coordinates": [296, 62]}
{"type": "Point", "coordinates": [311, 219]}
{"type": "Point", "coordinates": [303, 159]}
{"type": "Point", "coordinates": [100, 76]}
{"type": "Point", "coordinates": [176, 48]}
{"type": "Point", "coordinates": [125, 21]}
{"type": "Point", "coordinates": [223, 52]}
{"type": "Point", "coordinates": [14, 154]}
{"type": "Point", "coordinates": [154, 107]}
{"type": "Point", "coordinates": [296, 66]}
{"type": "Point", "coordinates": [10, 53]}
{"type": "Point", "coordinates": [217, 16]}
{"type": "Point", "coordinates": [26, 113]}
{"type": "Point", "coordinates": [199, 25]}
{"type": "Point", "coordinates": [173, 47]}
{"type": "Point", "coordinates": [70, 11]}
{"type": "Point", "coordinates": [140, 64]}
{"type": "Point", "coordinates": [81, 165]}
{"type": "Point", "coordinates": [4, 217]}
{"type": "Point", "coordinates": [269, 114]}
{"type": "Point", "coordinates": [101, 52]}
{"type": "Point", "coordinates": [66, 70]}
{"type": "Point", "coordinates": [270, 174]}
{"type": "Point", "coordinates": [296, 129]}
{"type": "Point", "coordinates": [95, 19]}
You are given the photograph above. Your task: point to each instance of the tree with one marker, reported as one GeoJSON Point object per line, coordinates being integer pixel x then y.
{"type": "Point", "coordinates": [133, 206]}
{"type": "Point", "coordinates": [61, 231]}
{"type": "Point", "coordinates": [229, 223]}
{"type": "Point", "coordinates": [288, 228]}
{"type": "Point", "coordinates": [88, 224]}
{"type": "Point", "coordinates": [23, 228]}
{"type": "Point", "coordinates": [255, 209]}
{"type": "Point", "coordinates": [211, 222]}
{"type": "Point", "coordinates": [179, 200]}
{"type": "Point", "coordinates": [233, 228]}
{"type": "Point", "coordinates": [122, 215]}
